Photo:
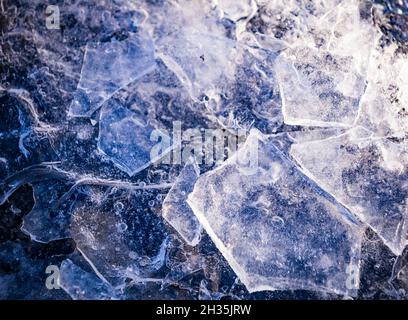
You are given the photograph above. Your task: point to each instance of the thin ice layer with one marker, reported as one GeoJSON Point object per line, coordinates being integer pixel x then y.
{"type": "Point", "coordinates": [367, 175]}
{"type": "Point", "coordinates": [384, 105]}
{"type": "Point", "coordinates": [82, 285]}
{"type": "Point", "coordinates": [318, 88]}
{"type": "Point", "coordinates": [274, 226]}
{"type": "Point", "coordinates": [176, 210]}
{"type": "Point", "coordinates": [195, 47]}
{"type": "Point", "coordinates": [109, 66]}
{"type": "Point", "coordinates": [118, 237]}
{"type": "Point", "coordinates": [124, 137]}
{"type": "Point", "coordinates": [322, 76]}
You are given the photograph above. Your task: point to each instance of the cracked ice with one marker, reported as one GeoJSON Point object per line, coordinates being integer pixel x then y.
{"type": "Point", "coordinates": [311, 198]}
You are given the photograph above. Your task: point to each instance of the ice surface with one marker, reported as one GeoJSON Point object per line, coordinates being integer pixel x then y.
{"type": "Point", "coordinates": [107, 229]}
{"type": "Point", "coordinates": [312, 86]}
{"type": "Point", "coordinates": [274, 227]}
{"type": "Point", "coordinates": [82, 285]}
{"type": "Point", "coordinates": [109, 66]}
{"type": "Point", "coordinates": [125, 137]}
{"type": "Point", "coordinates": [236, 10]}
{"type": "Point", "coordinates": [322, 76]}
{"type": "Point", "coordinates": [195, 47]}
{"type": "Point", "coordinates": [290, 20]}
{"type": "Point", "coordinates": [305, 71]}
{"type": "Point", "coordinates": [366, 174]}
{"type": "Point", "coordinates": [384, 105]}
{"type": "Point", "coordinates": [175, 208]}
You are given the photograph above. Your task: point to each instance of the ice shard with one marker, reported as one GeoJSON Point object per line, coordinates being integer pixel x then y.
{"type": "Point", "coordinates": [82, 285]}
{"type": "Point", "coordinates": [108, 67]}
{"type": "Point", "coordinates": [384, 104]}
{"type": "Point", "coordinates": [322, 77]}
{"type": "Point", "coordinates": [196, 48]}
{"type": "Point", "coordinates": [175, 209]}
{"type": "Point", "coordinates": [276, 228]}
{"type": "Point", "coordinates": [368, 175]}
{"type": "Point", "coordinates": [124, 137]}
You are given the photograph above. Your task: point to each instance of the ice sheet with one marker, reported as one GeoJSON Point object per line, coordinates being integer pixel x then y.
{"type": "Point", "coordinates": [274, 226]}
{"type": "Point", "coordinates": [175, 208]}
{"type": "Point", "coordinates": [368, 175]}
{"type": "Point", "coordinates": [108, 67]}
{"type": "Point", "coordinates": [124, 137]}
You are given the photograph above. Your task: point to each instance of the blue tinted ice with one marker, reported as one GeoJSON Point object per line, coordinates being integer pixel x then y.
{"type": "Point", "coordinates": [108, 67]}
{"type": "Point", "coordinates": [276, 229]}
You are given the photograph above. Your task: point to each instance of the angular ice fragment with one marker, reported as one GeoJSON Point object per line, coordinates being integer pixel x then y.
{"type": "Point", "coordinates": [322, 75]}
{"type": "Point", "coordinates": [82, 285]}
{"type": "Point", "coordinates": [275, 227]}
{"type": "Point", "coordinates": [318, 88]}
{"type": "Point", "coordinates": [236, 10]}
{"type": "Point", "coordinates": [109, 66]}
{"type": "Point", "coordinates": [195, 47]}
{"type": "Point", "coordinates": [384, 104]}
{"type": "Point", "coordinates": [125, 138]}
{"type": "Point", "coordinates": [175, 208]}
{"type": "Point", "coordinates": [367, 175]}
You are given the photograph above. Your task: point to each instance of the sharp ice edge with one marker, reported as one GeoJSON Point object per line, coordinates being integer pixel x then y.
{"type": "Point", "coordinates": [378, 108]}
{"type": "Point", "coordinates": [175, 208]}
{"type": "Point", "coordinates": [367, 175]}
{"type": "Point", "coordinates": [108, 67]}
{"type": "Point", "coordinates": [273, 228]}
{"type": "Point", "coordinates": [125, 138]}
{"type": "Point", "coordinates": [82, 285]}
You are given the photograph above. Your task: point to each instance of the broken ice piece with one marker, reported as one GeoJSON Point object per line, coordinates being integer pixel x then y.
{"type": "Point", "coordinates": [318, 88]}
{"type": "Point", "coordinates": [108, 67]}
{"type": "Point", "coordinates": [236, 10]}
{"type": "Point", "coordinates": [125, 138]}
{"type": "Point", "coordinates": [275, 227]}
{"type": "Point", "coordinates": [323, 74]}
{"type": "Point", "coordinates": [367, 175]}
{"type": "Point", "coordinates": [175, 208]}
{"type": "Point", "coordinates": [82, 285]}
{"type": "Point", "coordinates": [384, 104]}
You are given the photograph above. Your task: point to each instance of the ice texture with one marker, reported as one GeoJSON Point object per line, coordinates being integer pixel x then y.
{"type": "Point", "coordinates": [384, 104]}
{"type": "Point", "coordinates": [366, 174]}
{"type": "Point", "coordinates": [108, 67]}
{"type": "Point", "coordinates": [81, 108]}
{"type": "Point", "coordinates": [175, 208]}
{"type": "Point", "coordinates": [82, 285]}
{"type": "Point", "coordinates": [195, 47]}
{"type": "Point", "coordinates": [274, 226]}
{"type": "Point", "coordinates": [322, 76]}
{"type": "Point", "coordinates": [125, 138]}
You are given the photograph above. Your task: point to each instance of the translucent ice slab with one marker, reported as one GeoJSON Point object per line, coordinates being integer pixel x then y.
{"type": "Point", "coordinates": [367, 175]}
{"type": "Point", "coordinates": [125, 137]}
{"type": "Point", "coordinates": [274, 226]}
{"type": "Point", "coordinates": [322, 75]}
{"type": "Point", "coordinates": [109, 66]}
{"type": "Point", "coordinates": [175, 208]}
{"type": "Point", "coordinates": [384, 105]}
{"type": "Point", "coordinates": [81, 285]}
{"type": "Point", "coordinates": [318, 88]}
